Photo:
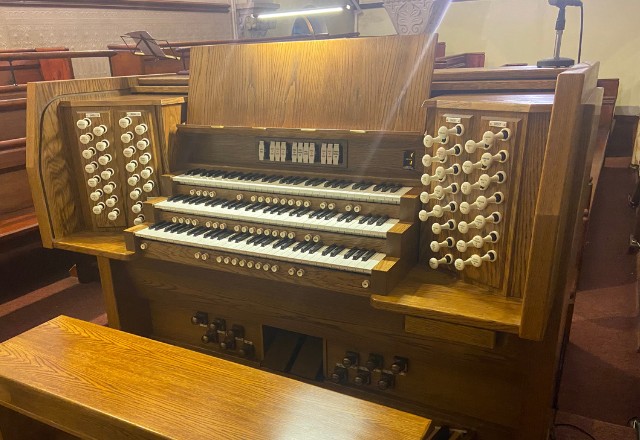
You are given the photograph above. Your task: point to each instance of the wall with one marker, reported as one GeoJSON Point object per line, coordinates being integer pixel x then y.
{"type": "Point", "coordinates": [337, 23]}
{"type": "Point", "coordinates": [511, 31]}
{"type": "Point", "coordinates": [88, 28]}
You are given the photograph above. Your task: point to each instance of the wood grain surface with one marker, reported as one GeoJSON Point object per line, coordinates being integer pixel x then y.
{"type": "Point", "coordinates": [313, 84]}
{"type": "Point", "coordinates": [101, 383]}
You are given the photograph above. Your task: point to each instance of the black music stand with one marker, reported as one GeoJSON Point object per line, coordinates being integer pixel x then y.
{"type": "Point", "coordinates": [146, 45]}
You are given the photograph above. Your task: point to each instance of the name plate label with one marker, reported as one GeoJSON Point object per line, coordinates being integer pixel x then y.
{"type": "Point", "coordinates": [499, 124]}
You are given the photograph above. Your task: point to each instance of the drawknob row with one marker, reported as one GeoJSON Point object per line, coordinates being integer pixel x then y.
{"type": "Point", "coordinates": [475, 260]}
{"type": "Point", "coordinates": [478, 241]}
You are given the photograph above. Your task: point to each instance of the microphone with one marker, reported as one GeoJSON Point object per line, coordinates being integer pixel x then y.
{"type": "Point", "coordinates": [563, 3]}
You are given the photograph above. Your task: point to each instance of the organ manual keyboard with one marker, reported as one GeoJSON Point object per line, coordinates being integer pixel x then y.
{"type": "Point", "coordinates": [316, 214]}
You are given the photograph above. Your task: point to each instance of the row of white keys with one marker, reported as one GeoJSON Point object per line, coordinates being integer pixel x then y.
{"type": "Point", "coordinates": [301, 189]}
{"type": "Point", "coordinates": [337, 262]}
{"type": "Point", "coordinates": [284, 220]}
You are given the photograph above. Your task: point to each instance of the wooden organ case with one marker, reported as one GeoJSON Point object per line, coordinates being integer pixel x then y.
{"type": "Point", "coordinates": [319, 216]}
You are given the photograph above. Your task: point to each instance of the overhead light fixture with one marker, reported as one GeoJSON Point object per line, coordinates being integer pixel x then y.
{"type": "Point", "coordinates": [301, 12]}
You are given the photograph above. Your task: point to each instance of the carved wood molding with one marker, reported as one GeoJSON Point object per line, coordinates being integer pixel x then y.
{"type": "Point", "coordinates": [161, 5]}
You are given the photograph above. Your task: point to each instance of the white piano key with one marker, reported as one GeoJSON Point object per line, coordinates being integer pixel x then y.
{"type": "Point", "coordinates": [348, 193]}
{"type": "Point", "coordinates": [284, 220]}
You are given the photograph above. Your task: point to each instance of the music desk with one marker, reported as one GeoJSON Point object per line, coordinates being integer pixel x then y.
{"type": "Point", "coordinates": [95, 382]}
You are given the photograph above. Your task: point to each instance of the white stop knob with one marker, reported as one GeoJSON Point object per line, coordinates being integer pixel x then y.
{"type": "Point", "coordinates": [89, 153]}
{"type": "Point", "coordinates": [131, 166]}
{"type": "Point", "coordinates": [137, 208]}
{"type": "Point", "coordinates": [86, 138]}
{"type": "Point", "coordinates": [142, 144]}
{"type": "Point", "coordinates": [133, 180]}
{"type": "Point", "coordinates": [128, 152]}
{"type": "Point", "coordinates": [100, 130]}
{"type": "Point", "coordinates": [127, 137]}
{"type": "Point", "coordinates": [135, 194]}
{"type": "Point", "coordinates": [124, 122]}
{"type": "Point", "coordinates": [113, 214]}
{"type": "Point", "coordinates": [97, 210]}
{"type": "Point", "coordinates": [106, 174]}
{"type": "Point", "coordinates": [91, 167]}
{"type": "Point", "coordinates": [95, 196]}
{"type": "Point", "coordinates": [146, 173]}
{"type": "Point", "coordinates": [103, 160]}
{"type": "Point", "coordinates": [111, 201]}
{"type": "Point", "coordinates": [109, 187]}
{"type": "Point", "coordinates": [83, 123]}
{"type": "Point", "coordinates": [145, 158]}
{"type": "Point", "coordinates": [102, 145]}
{"type": "Point", "coordinates": [141, 129]}
{"type": "Point", "coordinates": [139, 220]}
{"type": "Point", "coordinates": [93, 182]}
{"type": "Point", "coordinates": [148, 187]}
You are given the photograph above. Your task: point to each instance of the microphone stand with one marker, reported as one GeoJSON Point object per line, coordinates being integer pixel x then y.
{"type": "Point", "coordinates": [557, 60]}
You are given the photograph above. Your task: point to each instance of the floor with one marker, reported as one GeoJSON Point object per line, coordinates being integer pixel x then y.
{"type": "Point", "coordinates": [600, 386]}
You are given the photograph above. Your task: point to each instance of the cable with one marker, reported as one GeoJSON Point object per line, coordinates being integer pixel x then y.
{"type": "Point", "coordinates": [569, 425]}
{"type": "Point", "coordinates": [581, 31]}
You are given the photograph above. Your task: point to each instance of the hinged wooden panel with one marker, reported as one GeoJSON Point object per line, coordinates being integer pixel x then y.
{"type": "Point", "coordinates": [357, 83]}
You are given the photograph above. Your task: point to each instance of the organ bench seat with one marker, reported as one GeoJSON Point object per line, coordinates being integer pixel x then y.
{"type": "Point", "coordinates": [99, 383]}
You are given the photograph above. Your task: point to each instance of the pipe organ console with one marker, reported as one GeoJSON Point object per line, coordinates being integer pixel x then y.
{"type": "Point", "coordinates": [312, 218]}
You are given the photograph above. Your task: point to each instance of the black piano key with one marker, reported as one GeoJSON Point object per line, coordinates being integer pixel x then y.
{"type": "Point", "coordinates": [303, 212]}
{"type": "Point", "coordinates": [200, 231]}
{"type": "Point", "coordinates": [351, 217]}
{"type": "Point", "coordinates": [192, 231]}
{"type": "Point", "coordinates": [337, 250]}
{"type": "Point", "coordinates": [373, 219]}
{"type": "Point", "coordinates": [316, 247]}
{"type": "Point", "coordinates": [160, 224]}
{"type": "Point", "coordinates": [308, 245]}
{"type": "Point", "coordinates": [261, 239]}
{"type": "Point", "coordinates": [173, 227]}
{"type": "Point", "coordinates": [227, 234]}
{"type": "Point", "coordinates": [344, 216]}
{"type": "Point", "coordinates": [279, 242]}
{"type": "Point", "coordinates": [329, 249]}
{"type": "Point", "coordinates": [210, 233]}
{"type": "Point", "coordinates": [319, 182]}
{"type": "Point", "coordinates": [359, 253]}
{"type": "Point", "coordinates": [345, 184]}
{"type": "Point", "coordinates": [268, 241]}
{"type": "Point", "coordinates": [368, 255]}
{"type": "Point", "coordinates": [350, 252]}
{"type": "Point", "coordinates": [287, 243]}
{"type": "Point", "coordinates": [364, 219]}
{"type": "Point", "coordinates": [329, 183]}
{"type": "Point", "coordinates": [382, 220]}
{"type": "Point", "coordinates": [331, 215]}
{"type": "Point", "coordinates": [299, 245]}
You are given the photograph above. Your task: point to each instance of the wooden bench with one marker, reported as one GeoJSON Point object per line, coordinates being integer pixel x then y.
{"type": "Point", "coordinates": [95, 382]}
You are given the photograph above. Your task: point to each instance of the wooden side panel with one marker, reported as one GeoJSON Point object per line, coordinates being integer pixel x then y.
{"type": "Point", "coordinates": [564, 161]}
{"type": "Point", "coordinates": [320, 84]}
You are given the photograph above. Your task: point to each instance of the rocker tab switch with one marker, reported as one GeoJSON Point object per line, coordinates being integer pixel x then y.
{"type": "Point", "coordinates": [209, 337]}
{"type": "Point", "coordinates": [350, 359]}
{"type": "Point", "coordinates": [386, 381]}
{"type": "Point", "coordinates": [237, 331]}
{"type": "Point", "coordinates": [200, 318]}
{"type": "Point", "coordinates": [217, 324]}
{"type": "Point", "coordinates": [339, 374]}
{"type": "Point", "coordinates": [363, 377]}
{"type": "Point", "coordinates": [400, 365]}
{"type": "Point", "coordinates": [374, 361]}
{"type": "Point", "coordinates": [247, 350]}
